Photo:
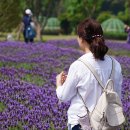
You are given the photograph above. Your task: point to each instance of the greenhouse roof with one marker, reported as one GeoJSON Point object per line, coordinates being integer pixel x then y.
{"type": "Point", "coordinates": [113, 25]}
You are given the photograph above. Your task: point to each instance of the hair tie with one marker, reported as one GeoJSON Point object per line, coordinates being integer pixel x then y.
{"type": "Point", "coordinates": [96, 36]}
{"type": "Point", "coordinates": [93, 36]}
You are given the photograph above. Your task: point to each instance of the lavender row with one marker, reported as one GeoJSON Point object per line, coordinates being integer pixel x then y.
{"type": "Point", "coordinates": [116, 45]}
{"type": "Point", "coordinates": [31, 106]}
{"type": "Point", "coordinates": [27, 84]}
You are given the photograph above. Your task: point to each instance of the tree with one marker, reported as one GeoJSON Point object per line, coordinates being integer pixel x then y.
{"type": "Point", "coordinates": [127, 11]}
{"type": "Point", "coordinates": [104, 16]}
{"type": "Point", "coordinates": [9, 14]}
{"type": "Point", "coordinates": [42, 10]}
{"type": "Point", "coordinates": [92, 7]}
{"type": "Point", "coordinates": [125, 15]}
{"type": "Point", "coordinates": [113, 5]}
{"type": "Point", "coordinates": [77, 10]}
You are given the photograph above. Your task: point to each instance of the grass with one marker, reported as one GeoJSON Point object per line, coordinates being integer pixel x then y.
{"type": "Point", "coordinates": [48, 37]}
{"type": "Point", "coordinates": [24, 65]}
{"type": "Point", "coordinates": [119, 52]}
{"type": "Point", "coordinates": [34, 79]}
{"type": "Point", "coordinates": [55, 37]}
{"type": "Point", "coordinates": [2, 106]}
{"type": "Point", "coordinates": [44, 37]}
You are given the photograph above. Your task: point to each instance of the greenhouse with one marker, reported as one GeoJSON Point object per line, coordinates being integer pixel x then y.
{"type": "Point", "coordinates": [113, 25]}
{"type": "Point", "coordinates": [52, 26]}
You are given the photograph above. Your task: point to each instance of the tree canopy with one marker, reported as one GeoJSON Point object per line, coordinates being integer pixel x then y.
{"type": "Point", "coordinates": [70, 12]}
{"type": "Point", "coordinates": [9, 14]}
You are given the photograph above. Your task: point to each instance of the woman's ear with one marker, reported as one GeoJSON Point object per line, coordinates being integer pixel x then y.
{"type": "Point", "coordinates": [83, 41]}
{"type": "Point", "coordinates": [80, 39]}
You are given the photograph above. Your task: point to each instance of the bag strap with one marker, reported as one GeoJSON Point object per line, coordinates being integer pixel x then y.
{"type": "Point", "coordinates": [83, 102]}
{"type": "Point", "coordinates": [92, 69]}
{"type": "Point", "coordinates": [113, 68]}
{"type": "Point", "coordinates": [89, 66]}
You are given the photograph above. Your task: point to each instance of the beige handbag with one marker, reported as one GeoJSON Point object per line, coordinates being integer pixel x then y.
{"type": "Point", "coordinates": [108, 112]}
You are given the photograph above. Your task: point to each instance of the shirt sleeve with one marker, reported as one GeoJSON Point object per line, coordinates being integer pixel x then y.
{"type": "Point", "coordinates": [68, 90]}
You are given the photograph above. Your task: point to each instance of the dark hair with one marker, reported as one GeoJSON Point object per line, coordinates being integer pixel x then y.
{"type": "Point", "coordinates": [91, 31]}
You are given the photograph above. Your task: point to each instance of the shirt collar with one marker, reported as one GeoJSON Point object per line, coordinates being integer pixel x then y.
{"type": "Point", "coordinates": [88, 54]}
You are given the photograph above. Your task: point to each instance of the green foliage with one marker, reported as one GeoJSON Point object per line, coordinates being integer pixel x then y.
{"type": "Point", "coordinates": [125, 15]}
{"type": "Point", "coordinates": [121, 15]}
{"type": "Point", "coordinates": [10, 11]}
{"type": "Point", "coordinates": [119, 52]}
{"type": "Point", "coordinates": [65, 26]}
{"type": "Point", "coordinates": [18, 127]}
{"type": "Point", "coordinates": [70, 12]}
{"type": "Point", "coordinates": [115, 35]}
{"type": "Point", "coordinates": [77, 10]}
{"type": "Point", "coordinates": [2, 106]}
{"type": "Point", "coordinates": [51, 32]}
{"type": "Point", "coordinates": [35, 79]}
{"type": "Point", "coordinates": [104, 16]}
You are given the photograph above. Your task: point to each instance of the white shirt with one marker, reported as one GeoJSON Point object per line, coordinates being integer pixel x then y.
{"type": "Point", "coordinates": [79, 76]}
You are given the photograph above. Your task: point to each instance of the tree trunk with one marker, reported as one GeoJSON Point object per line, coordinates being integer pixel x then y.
{"type": "Point", "coordinates": [39, 34]}
{"type": "Point", "coordinates": [19, 30]}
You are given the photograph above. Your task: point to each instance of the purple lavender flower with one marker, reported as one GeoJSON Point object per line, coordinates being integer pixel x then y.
{"type": "Point", "coordinates": [27, 84]}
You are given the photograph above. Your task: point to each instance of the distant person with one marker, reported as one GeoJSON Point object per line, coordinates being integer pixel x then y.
{"type": "Point", "coordinates": [127, 30]}
{"type": "Point", "coordinates": [29, 27]}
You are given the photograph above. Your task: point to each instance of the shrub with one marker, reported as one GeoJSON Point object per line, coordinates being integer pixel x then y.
{"type": "Point", "coordinates": [52, 32]}
{"type": "Point", "coordinates": [104, 16]}
{"type": "Point", "coordinates": [115, 35]}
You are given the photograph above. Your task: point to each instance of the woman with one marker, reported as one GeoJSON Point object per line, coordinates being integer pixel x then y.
{"type": "Point", "coordinates": [91, 41]}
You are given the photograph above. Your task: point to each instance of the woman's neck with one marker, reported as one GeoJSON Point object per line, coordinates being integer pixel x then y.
{"type": "Point", "coordinates": [86, 50]}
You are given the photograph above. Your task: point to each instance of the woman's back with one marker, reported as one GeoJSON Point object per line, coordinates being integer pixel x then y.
{"type": "Point", "coordinates": [80, 78]}
{"type": "Point", "coordinates": [87, 84]}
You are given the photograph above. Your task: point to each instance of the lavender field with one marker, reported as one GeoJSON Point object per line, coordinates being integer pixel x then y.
{"type": "Point", "coordinates": [27, 83]}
